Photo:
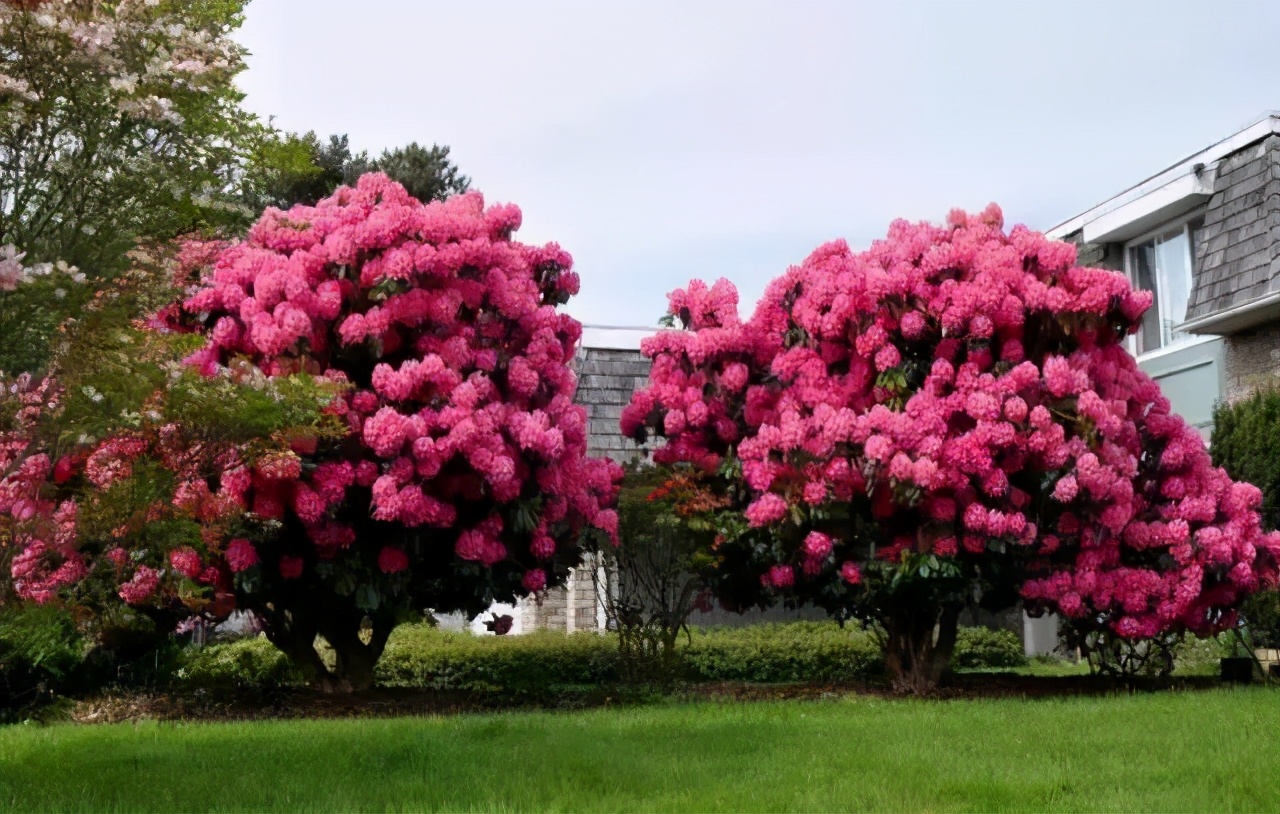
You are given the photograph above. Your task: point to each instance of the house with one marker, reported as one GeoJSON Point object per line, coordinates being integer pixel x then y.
{"type": "Point", "coordinates": [1204, 236]}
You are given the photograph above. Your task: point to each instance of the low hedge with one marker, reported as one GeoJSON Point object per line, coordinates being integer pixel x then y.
{"type": "Point", "coordinates": [252, 664]}
{"type": "Point", "coordinates": [779, 653]}
{"type": "Point", "coordinates": [531, 664]}
{"type": "Point", "coordinates": [981, 647]}
{"type": "Point", "coordinates": [546, 663]}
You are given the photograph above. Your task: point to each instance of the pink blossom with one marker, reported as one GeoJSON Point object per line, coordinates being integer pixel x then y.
{"type": "Point", "coordinates": [185, 561]}
{"type": "Point", "coordinates": [392, 560]}
{"type": "Point", "coordinates": [534, 580]}
{"type": "Point", "coordinates": [817, 545]}
{"type": "Point", "coordinates": [141, 586]}
{"type": "Point", "coordinates": [241, 555]}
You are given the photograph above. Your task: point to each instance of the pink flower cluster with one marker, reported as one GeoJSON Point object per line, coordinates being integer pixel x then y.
{"type": "Point", "coordinates": [465, 402]}
{"type": "Point", "coordinates": [946, 375]}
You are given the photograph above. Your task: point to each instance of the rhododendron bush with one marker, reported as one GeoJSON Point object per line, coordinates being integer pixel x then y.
{"type": "Point", "coordinates": [444, 466]}
{"type": "Point", "coordinates": [948, 417]}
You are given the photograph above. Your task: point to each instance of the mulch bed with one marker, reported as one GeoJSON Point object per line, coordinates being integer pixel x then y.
{"type": "Point", "coordinates": [289, 704]}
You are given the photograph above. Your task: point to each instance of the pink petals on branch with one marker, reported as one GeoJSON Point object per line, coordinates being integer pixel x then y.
{"type": "Point", "coordinates": [945, 376]}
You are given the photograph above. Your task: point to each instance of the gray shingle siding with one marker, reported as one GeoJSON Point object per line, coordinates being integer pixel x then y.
{"type": "Point", "coordinates": [1236, 256]}
{"type": "Point", "coordinates": [606, 380]}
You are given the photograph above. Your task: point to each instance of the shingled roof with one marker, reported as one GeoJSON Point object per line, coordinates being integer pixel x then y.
{"type": "Point", "coordinates": [610, 368]}
{"type": "Point", "coordinates": [1237, 253]}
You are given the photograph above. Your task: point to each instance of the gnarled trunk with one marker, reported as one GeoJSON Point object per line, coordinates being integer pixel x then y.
{"type": "Point", "coordinates": [295, 632]}
{"type": "Point", "coordinates": [918, 646]}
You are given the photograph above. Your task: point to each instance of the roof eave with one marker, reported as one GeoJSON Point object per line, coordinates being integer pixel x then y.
{"type": "Point", "coordinates": [1234, 320]}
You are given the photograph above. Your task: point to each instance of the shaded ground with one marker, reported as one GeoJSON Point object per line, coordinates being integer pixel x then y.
{"type": "Point", "coordinates": [289, 704]}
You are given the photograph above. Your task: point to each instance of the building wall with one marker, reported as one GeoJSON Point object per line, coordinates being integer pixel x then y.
{"type": "Point", "coordinates": [1252, 357]}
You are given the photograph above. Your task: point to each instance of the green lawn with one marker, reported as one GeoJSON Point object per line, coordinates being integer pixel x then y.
{"type": "Point", "coordinates": [1207, 751]}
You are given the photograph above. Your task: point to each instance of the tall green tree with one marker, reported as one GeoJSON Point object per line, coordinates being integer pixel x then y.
{"type": "Point", "coordinates": [119, 121]}
{"type": "Point", "coordinates": [120, 125]}
{"type": "Point", "coordinates": [302, 169]}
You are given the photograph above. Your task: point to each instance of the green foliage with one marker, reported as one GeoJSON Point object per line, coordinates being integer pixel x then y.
{"type": "Point", "coordinates": [535, 664]}
{"type": "Point", "coordinates": [302, 169]}
{"type": "Point", "coordinates": [778, 653]}
{"type": "Point", "coordinates": [1202, 657]}
{"type": "Point", "coordinates": [652, 575]}
{"type": "Point", "coordinates": [31, 314]}
{"type": "Point", "coordinates": [40, 651]}
{"type": "Point", "coordinates": [978, 647]}
{"type": "Point", "coordinates": [115, 144]}
{"type": "Point", "coordinates": [1261, 613]}
{"type": "Point", "coordinates": [425, 172]}
{"type": "Point", "coordinates": [223, 410]}
{"type": "Point", "coordinates": [248, 664]}
{"type": "Point", "coordinates": [1246, 442]}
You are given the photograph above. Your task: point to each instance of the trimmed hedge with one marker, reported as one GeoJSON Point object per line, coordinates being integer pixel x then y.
{"type": "Point", "coordinates": [981, 647]}
{"type": "Point", "coordinates": [778, 653]}
{"type": "Point", "coordinates": [532, 664]}
{"type": "Point", "coordinates": [546, 663]}
{"type": "Point", "coordinates": [253, 664]}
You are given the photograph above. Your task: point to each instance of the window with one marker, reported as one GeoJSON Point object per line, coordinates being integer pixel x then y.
{"type": "Point", "coordinates": [1164, 263]}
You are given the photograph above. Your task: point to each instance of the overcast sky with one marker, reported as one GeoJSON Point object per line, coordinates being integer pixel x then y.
{"type": "Point", "coordinates": [663, 141]}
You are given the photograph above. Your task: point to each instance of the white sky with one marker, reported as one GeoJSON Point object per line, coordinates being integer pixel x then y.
{"type": "Point", "coordinates": [663, 141]}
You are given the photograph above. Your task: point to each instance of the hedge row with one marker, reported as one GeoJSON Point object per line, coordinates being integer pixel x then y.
{"type": "Point", "coordinates": [42, 650]}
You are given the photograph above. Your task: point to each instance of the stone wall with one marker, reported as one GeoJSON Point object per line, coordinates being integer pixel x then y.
{"type": "Point", "coordinates": [1096, 255]}
{"type": "Point", "coordinates": [1251, 358]}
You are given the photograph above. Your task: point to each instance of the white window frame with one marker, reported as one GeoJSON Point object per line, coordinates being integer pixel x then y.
{"type": "Point", "coordinates": [1190, 340]}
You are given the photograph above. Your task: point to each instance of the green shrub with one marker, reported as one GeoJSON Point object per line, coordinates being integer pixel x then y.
{"type": "Point", "coordinates": [41, 652]}
{"type": "Point", "coordinates": [544, 663]}
{"type": "Point", "coordinates": [1246, 442]}
{"type": "Point", "coordinates": [980, 647]}
{"type": "Point", "coordinates": [1202, 657]}
{"type": "Point", "coordinates": [252, 664]}
{"type": "Point", "coordinates": [1261, 613]}
{"type": "Point", "coordinates": [776, 653]}
{"type": "Point", "coordinates": [533, 664]}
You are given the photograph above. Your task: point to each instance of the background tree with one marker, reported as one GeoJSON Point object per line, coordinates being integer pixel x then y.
{"type": "Point", "coordinates": [303, 169]}
{"type": "Point", "coordinates": [1246, 442]}
{"type": "Point", "coordinates": [119, 123]}
{"type": "Point", "coordinates": [946, 416]}
{"type": "Point", "coordinates": [377, 418]}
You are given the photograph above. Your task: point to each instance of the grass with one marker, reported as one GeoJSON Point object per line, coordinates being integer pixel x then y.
{"type": "Point", "coordinates": [1207, 751]}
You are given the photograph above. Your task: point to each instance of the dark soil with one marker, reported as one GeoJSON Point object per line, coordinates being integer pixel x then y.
{"type": "Point", "coordinates": [296, 703]}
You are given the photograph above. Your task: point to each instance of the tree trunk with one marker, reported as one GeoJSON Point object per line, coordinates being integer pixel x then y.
{"type": "Point", "coordinates": [354, 661]}
{"type": "Point", "coordinates": [918, 646]}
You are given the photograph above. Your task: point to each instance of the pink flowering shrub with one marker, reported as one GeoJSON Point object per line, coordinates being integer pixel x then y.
{"type": "Point", "coordinates": [447, 468]}
{"type": "Point", "coordinates": [950, 410]}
